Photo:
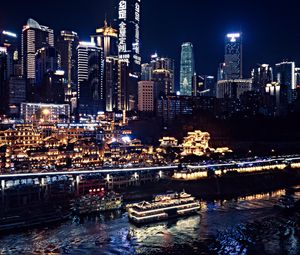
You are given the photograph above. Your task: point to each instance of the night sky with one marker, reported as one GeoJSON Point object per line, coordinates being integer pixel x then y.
{"type": "Point", "coordinates": [271, 31]}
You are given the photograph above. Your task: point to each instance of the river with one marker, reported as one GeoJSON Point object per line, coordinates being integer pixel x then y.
{"type": "Point", "coordinates": [248, 225]}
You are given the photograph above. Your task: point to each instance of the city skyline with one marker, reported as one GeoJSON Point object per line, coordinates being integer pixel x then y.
{"type": "Point", "coordinates": [264, 37]}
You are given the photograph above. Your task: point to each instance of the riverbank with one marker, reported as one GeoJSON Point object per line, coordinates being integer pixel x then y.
{"type": "Point", "coordinates": [227, 186]}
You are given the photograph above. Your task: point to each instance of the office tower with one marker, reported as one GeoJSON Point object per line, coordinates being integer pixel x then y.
{"type": "Point", "coordinates": [262, 75]}
{"type": "Point", "coordinates": [164, 68]}
{"type": "Point", "coordinates": [16, 95]}
{"type": "Point", "coordinates": [162, 82]}
{"type": "Point", "coordinates": [233, 88]}
{"type": "Point", "coordinates": [297, 77]}
{"type": "Point", "coordinates": [285, 75]}
{"type": "Point", "coordinates": [34, 37]}
{"type": "Point", "coordinates": [204, 85]}
{"type": "Point", "coordinates": [129, 18]}
{"type": "Point", "coordinates": [107, 39]}
{"type": "Point", "coordinates": [147, 70]}
{"type": "Point", "coordinates": [67, 44]}
{"type": "Point", "coordinates": [198, 85]}
{"type": "Point", "coordinates": [10, 41]}
{"type": "Point", "coordinates": [187, 69]}
{"type": "Point", "coordinates": [233, 56]}
{"type": "Point", "coordinates": [3, 76]}
{"type": "Point", "coordinates": [90, 90]}
{"type": "Point", "coordinates": [47, 60]}
{"type": "Point", "coordinates": [52, 89]}
{"type": "Point", "coordinates": [146, 96]}
{"type": "Point", "coordinates": [116, 82]}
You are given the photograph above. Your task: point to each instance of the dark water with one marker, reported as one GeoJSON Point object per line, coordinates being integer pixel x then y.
{"type": "Point", "coordinates": [248, 225]}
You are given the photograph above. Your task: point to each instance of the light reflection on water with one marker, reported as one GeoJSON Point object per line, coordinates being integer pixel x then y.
{"type": "Point", "coordinates": [113, 234]}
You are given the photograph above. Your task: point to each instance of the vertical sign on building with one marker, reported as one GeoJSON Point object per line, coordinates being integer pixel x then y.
{"type": "Point", "coordinates": [137, 58]}
{"type": "Point", "coordinates": [123, 51]}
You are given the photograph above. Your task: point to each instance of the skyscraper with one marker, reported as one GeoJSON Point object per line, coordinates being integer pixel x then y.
{"type": "Point", "coordinates": [66, 44]}
{"type": "Point", "coordinates": [147, 70]}
{"type": "Point", "coordinates": [90, 78]}
{"type": "Point", "coordinates": [164, 68]}
{"type": "Point", "coordinates": [262, 75]}
{"type": "Point", "coordinates": [285, 74]}
{"type": "Point", "coordinates": [107, 39]}
{"type": "Point", "coordinates": [3, 76]}
{"type": "Point", "coordinates": [10, 41]}
{"type": "Point", "coordinates": [116, 73]}
{"type": "Point", "coordinates": [34, 37]}
{"type": "Point", "coordinates": [233, 68]}
{"type": "Point", "coordinates": [129, 18]}
{"type": "Point", "coordinates": [46, 60]}
{"type": "Point", "coordinates": [187, 69]}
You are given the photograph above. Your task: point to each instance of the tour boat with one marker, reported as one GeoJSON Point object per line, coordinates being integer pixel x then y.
{"type": "Point", "coordinates": [163, 207]}
{"type": "Point", "coordinates": [93, 203]}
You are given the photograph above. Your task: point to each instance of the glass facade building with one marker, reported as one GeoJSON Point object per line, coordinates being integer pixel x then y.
{"type": "Point", "coordinates": [187, 69]}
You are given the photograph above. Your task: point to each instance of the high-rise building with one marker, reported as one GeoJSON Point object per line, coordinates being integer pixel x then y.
{"type": "Point", "coordinates": [146, 96]}
{"type": "Point", "coordinates": [10, 41]}
{"type": "Point", "coordinates": [164, 67]}
{"type": "Point", "coordinates": [285, 74]}
{"type": "Point", "coordinates": [107, 39]}
{"type": "Point", "coordinates": [47, 60]}
{"type": "Point", "coordinates": [233, 88]}
{"type": "Point", "coordinates": [187, 69]}
{"type": "Point", "coordinates": [129, 19]}
{"type": "Point", "coordinates": [262, 75]}
{"type": "Point", "coordinates": [233, 68]}
{"type": "Point", "coordinates": [116, 83]}
{"type": "Point", "coordinates": [162, 82]}
{"type": "Point", "coordinates": [297, 77]}
{"type": "Point", "coordinates": [3, 76]}
{"type": "Point", "coordinates": [66, 45]}
{"type": "Point", "coordinates": [204, 85]}
{"type": "Point", "coordinates": [52, 89]}
{"type": "Point", "coordinates": [147, 70]}
{"type": "Point", "coordinates": [16, 95]}
{"type": "Point", "coordinates": [34, 37]}
{"type": "Point", "coordinates": [90, 90]}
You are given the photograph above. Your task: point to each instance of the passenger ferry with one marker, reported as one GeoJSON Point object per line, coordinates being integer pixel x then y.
{"type": "Point", "coordinates": [163, 207]}
{"type": "Point", "coordinates": [93, 203]}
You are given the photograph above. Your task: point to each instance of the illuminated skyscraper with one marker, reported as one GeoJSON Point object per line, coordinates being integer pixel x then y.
{"type": "Point", "coordinates": [116, 73]}
{"type": "Point", "coordinates": [285, 74]}
{"type": "Point", "coordinates": [34, 37]}
{"type": "Point", "coordinates": [146, 72]}
{"type": "Point", "coordinates": [10, 41]}
{"type": "Point", "coordinates": [233, 56]}
{"type": "Point", "coordinates": [3, 76]}
{"type": "Point", "coordinates": [67, 43]}
{"type": "Point", "coordinates": [129, 18]}
{"type": "Point", "coordinates": [106, 38]}
{"type": "Point", "coordinates": [46, 60]}
{"type": "Point", "coordinates": [90, 90]}
{"type": "Point", "coordinates": [163, 70]}
{"type": "Point", "coordinates": [187, 69]}
{"type": "Point", "coordinates": [262, 75]}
